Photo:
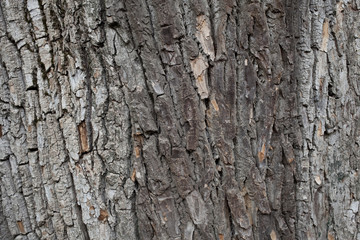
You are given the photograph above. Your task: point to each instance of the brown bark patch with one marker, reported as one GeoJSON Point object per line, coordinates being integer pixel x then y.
{"type": "Point", "coordinates": [319, 130]}
{"type": "Point", "coordinates": [139, 138]}
{"type": "Point", "coordinates": [103, 215]}
{"type": "Point", "coordinates": [221, 236]}
{"type": "Point", "coordinates": [325, 35]}
{"type": "Point", "coordinates": [261, 154]}
{"type": "Point", "coordinates": [273, 235]}
{"type": "Point", "coordinates": [321, 83]}
{"type": "Point", "coordinates": [199, 67]}
{"type": "Point", "coordinates": [330, 237]}
{"type": "Point", "coordinates": [97, 74]}
{"type": "Point", "coordinates": [84, 146]}
{"type": "Point", "coordinates": [133, 175]}
{"type": "Point", "coordinates": [215, 105]}
{"type": "Point", "coordinates": [137, 152]}
{"type": "Point", "coordinates": [21, 227]}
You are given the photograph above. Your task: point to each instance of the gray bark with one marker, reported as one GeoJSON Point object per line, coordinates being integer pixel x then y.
{"type": "Point", "coordinates": [184, 119]}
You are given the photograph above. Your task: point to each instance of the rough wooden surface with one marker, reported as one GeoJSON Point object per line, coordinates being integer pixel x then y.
{"type": "Point", "coordinates": [184, 119]}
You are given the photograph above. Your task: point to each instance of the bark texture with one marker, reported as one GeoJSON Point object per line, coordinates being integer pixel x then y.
{"type": "Point", "coordinates": [184, 119]}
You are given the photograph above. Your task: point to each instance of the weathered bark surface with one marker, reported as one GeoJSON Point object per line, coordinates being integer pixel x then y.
{"type": "Point", "coordinates": [186, 119]}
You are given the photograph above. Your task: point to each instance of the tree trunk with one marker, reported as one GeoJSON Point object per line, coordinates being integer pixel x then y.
{"type": "Point", "coordinates": [184, 119]}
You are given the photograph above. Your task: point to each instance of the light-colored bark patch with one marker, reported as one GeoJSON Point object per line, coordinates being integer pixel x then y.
{"type": "Point", "coordinates": [318, 180]}
{"type": "Point", "coordinates": [273, 235]}
{"type": "Point", "coordinates": [203, 34]}
{"type": "Point", "coordinates": [325, 35]}
{"type": "Point", "coordinates": [199, 67]}
{"type": "Point", "coordinates": [215, 105]}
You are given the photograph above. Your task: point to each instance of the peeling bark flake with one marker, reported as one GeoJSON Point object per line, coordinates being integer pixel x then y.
{"type": "Point", "coordinates": [215, 105]}
{"type": "Point", "coordinates": [330, 237]}
{"type": "Point", "coordinates": [261, 154]}
{"type": "Point", "coordinates": [325, 35]}
{"type": "Point", "coordinates": [273, 235]}
{"type": "Point", "coordinates": [103, 215]}
{"type": "Point", "coordinates": [84, 146]}
{"type": "Point", "coordinates": [318, 180]}
{"type": "Point", "coordinates": [203, 34]}
{"type": "Point", "coordinates": [199, 67]}
{"type": "Point", "coordinates": [21, 227]}
{"type": "Point", "coordinates": [133, 175]}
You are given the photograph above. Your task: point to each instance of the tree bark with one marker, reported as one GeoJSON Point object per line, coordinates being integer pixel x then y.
{"type": "Point", "coordinates": [184, 119]}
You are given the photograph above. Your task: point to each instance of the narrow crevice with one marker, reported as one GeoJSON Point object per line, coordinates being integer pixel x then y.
{"type": "Point", "coordinates": [89, 93]}
{"type": "Point", "coordinates": [228, 211]}
{"type": "Point", "coordinates": [77, 207]}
